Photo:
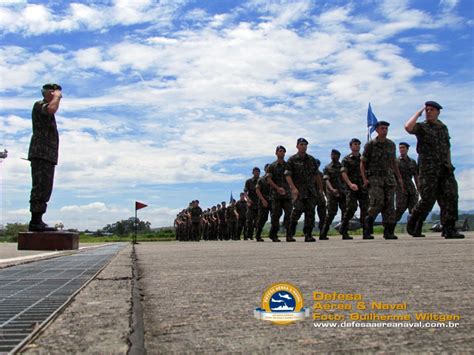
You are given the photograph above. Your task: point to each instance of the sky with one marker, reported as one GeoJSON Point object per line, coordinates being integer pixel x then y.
{"type": "Point", "coordinates": [165, 102]}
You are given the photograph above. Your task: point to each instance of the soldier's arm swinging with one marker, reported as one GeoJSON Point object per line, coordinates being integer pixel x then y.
{"type": "Point", "coordinates": [261, 198]}
{"type": "Point", "coordinates": [294, 190]}
{"type": "Point", "coordinates": [348, 182]}
{"type": "Point", "coordinates": [362, 172]}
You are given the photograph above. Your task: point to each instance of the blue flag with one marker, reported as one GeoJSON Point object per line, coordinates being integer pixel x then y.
{"type": "Point", "coordinates": [371, 120]}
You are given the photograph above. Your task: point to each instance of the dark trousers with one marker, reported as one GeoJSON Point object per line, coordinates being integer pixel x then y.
{"type": "Point", "coordinates": [278, 206]}
{"type": "Point", "coordinates": [42, 175]}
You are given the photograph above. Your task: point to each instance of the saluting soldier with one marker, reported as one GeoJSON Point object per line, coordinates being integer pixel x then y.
{"type": "Point", "coordinates": [43, 154]}
{"type": "Point", "coordinates": [335, 192]}
{"type": "Point", "coordinates": [281, 195]}
{"type": "Point", "coordinates": [378, 165]}
{"type": "Point", "coordinates": [409, 171]}
{"type": "Point", "coordinates": [303, 177]}
{"type": "Point", "coordinates": [437, 180]}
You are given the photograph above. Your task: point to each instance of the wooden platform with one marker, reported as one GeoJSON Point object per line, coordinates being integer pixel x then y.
{"type": "Point", "coordinates": [48, 241]}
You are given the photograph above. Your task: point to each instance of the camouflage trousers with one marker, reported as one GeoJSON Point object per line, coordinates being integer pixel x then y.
{"type": "Point", "coordinates": [42, 175]}
{"type": "Point", "coordinates": [262, 218]}
{"type": "Point", "coordinates": [306, 206]}
{"type": "Point", "coordinates": [321, 208]}
{"type": "Point", "coordinates": [232, 229]}
{"type": "Point", "coordinates": [241, 226]}
{"type": "Point", "coordinates": [280, 204]}
{"type": "Point", "coordinates": [195, 230]}
{"type": "Point", "coordinates": [403, 201]}
{"type": "Point", "coordinates": [222, 231]}
{"type": "Point", "coordinates": [354, 198]}
{"type": "Point", "coordinates": [442, 188]}
{"type": "Point", "coordinates": [382, 200]}
{"type": "Point", "coordinates": [252, 217]}
{"type": "Point", "coordinates": [335, 202]}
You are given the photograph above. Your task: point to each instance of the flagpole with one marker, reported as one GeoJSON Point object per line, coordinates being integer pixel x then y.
{"type": "Point", "coordinates": [136, 227]}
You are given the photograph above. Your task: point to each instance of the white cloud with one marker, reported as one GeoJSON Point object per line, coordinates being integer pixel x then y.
{"type": "Point", "coordinates": [428, 47]}
{"type": "Point", "coordinates": [466, 189]}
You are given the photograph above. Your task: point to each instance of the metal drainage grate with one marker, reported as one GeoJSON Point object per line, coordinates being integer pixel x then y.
{"type": "Point", "coordinates": [31, 293]}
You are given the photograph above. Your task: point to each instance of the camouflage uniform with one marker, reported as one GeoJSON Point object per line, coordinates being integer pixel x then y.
{"type": "Point", "coordinates": [280, 203]}
{"type": "Point", "coordinates": [303, 171]}
{"type": "Point", "coordinates": [351, 165]}
{"type": "Point", "coordinates": [407, 199]}
{"type": "Point", "coordinates": [222, 226]}
{"type": "Point", "coordinates": [263, 211]}
{"type": "Point", "coordinates": [43, 155]}
{"type": "Point", "coordinates": [436, 179]}
{"type": "Point", "coordinates": [320, 204]}
{"type": "Point", "coordinates": [252, 211]}
{"type": "Point", "coordinates": [232, 221]}
{"type": "Point", "coordinates": [378, 157]}
{"type": "Point", "coordinates": [241, 207]}
{"type": "Point", "coordinates": [196, 213]}
{"type": "Point", "coordinates": [332, 172]}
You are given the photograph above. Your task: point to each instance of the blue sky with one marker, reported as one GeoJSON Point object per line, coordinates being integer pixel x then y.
{"type": "Point", "coordinates": [169, 101]}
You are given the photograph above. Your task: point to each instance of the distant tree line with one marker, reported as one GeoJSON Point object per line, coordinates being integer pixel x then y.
{"type": "Point", "coordinates": [127, 226]}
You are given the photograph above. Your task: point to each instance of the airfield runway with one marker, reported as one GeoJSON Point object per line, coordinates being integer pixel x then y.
{"type": "Point", "coordinates": [200, 297]}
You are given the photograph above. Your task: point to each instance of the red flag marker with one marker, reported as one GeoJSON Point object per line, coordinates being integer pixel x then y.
{"type": "Point", "coordinates": [139, 205]}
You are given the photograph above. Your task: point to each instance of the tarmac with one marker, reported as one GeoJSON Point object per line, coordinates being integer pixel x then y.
{"type": "Point", "coordinates": [201, 297]}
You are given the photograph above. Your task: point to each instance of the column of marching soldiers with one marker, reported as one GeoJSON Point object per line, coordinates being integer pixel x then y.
{"type": "Point", "coordinates": [340, 185]}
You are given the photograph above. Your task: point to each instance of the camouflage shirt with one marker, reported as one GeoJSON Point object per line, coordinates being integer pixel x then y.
{"type": "Point", "coordinates": [196, 213]}
{"type": "Point", "coordinates": [303, 171]}
{"type": "Point", "coordinates": [332, 172]}
{"type": "Point", "coordinates": [408, 169]}
{"type": "Point", "coordinates": [44, 142]}
{"type": "Point", "coordinates": [230, 214]}
{"type": "Point", "coordinates": [378, 157]}
{"type": "Point", "coordinates": [264, 188]}
{"type": "Point", "coordinates": [433, 146]}
{"type": "Point", "coordinates": [351, 165]}
{"type": "Point", "coordinates": [241, 207]}
{"type": "Point", "coordinates": [251, 190]}
{"type": "Point", "coordinates": [276, 171]}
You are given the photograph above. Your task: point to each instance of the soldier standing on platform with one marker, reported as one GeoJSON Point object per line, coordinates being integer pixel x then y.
{"type": "Point", "coordinates": [378, 165]}
{"type": "Point", "coordinates": [251, 197]}
{"type": "Point", "coordinates": [356, 193]}
{"type": "Point", "coordinates": [281, 195]}
{"type": "Point", "coordinates": [335, 192]}
{"type": "Point", "coordinates": [437, 180]}
{"type": "Point", "coordinates": [303, 177]}
{"type": "Point", "coordinates": [43, 154]}
{"type": "Point", "coordinates": [241, 207]}
{"type": "Point", "coordinates": [409, 171]}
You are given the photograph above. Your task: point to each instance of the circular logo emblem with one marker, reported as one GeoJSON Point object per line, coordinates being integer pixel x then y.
{"type": "Point", "coordinates": [283, 300]}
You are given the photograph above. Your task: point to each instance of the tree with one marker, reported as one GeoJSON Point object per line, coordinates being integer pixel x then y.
{"type": "Point", "coordinates": [127, 226]}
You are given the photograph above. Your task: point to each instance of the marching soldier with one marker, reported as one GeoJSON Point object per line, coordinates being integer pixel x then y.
{"type": "Point", "coordinates": [320, 201]}
{"type": "Point", "coordinates": [251, 197]}
{"type": "Point", "coordinates": [241, 207]}
{"type": "Point", "coordinates": [232, 218]}
{"type": "Point", "coordinates": [281, 195]}
{"type": "Point", "coordinates": [409, 171]}
{"type": "Point", "coordinates": [222, 227]}
{"type": "Point", "coordinates": [196, 213]}
{"type": "Point", "coordinates": [303, 177]}
{"type": "Point", "coordinates": [437, 180]}
{"type": "Point", "coordinates": [335, 192]}
{"type": "Point", "coordinates": [356, 193]}
{"type": "Point", "coordinates": [378, 165]}
{"type": "Point", "coordinates": [263, 193]}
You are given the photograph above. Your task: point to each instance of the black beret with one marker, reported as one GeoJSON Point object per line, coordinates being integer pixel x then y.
{"type": "Point", "coordinates": [301, 140]}
{"type": "Point", "coordinates": [382, 123]}
{"type": "Point", "coordinates": [280, 147]}
{"type": "Point", "coordinates": [318, 162]}
{"type": "Point", "coordinates": [52, 86]}
{"type": "Point", "coordinates": [335, 151]}
{"type": "Point", "coordinates": [433, 104]}
{"type": "Point", "coordinates": [355, 140]}
{"type": "Point", "coordinates": [405, 144]}
{"type": "Point", "coordinates": [256, 168]}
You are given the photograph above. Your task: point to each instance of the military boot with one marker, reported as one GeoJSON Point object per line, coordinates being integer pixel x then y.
{"type": "Point", "coordinates": [451, 232]}
{"type": "Point", "coordinates": [324, 232]}
{"type": "Point", "coordinates": [343, 229]}
{"type": "Point", "coordinates": [273, 235]}
{"type": "Point", "coordinates": [412, 223]}
{"type": "Point", "coordinates": [368, 226]}
{"type": "Point", "coordinates": [388, 231]}
{"type": "Point", "coordinates": [308, 235]}
{"type": "Point", "coordinates": [37, 225]}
